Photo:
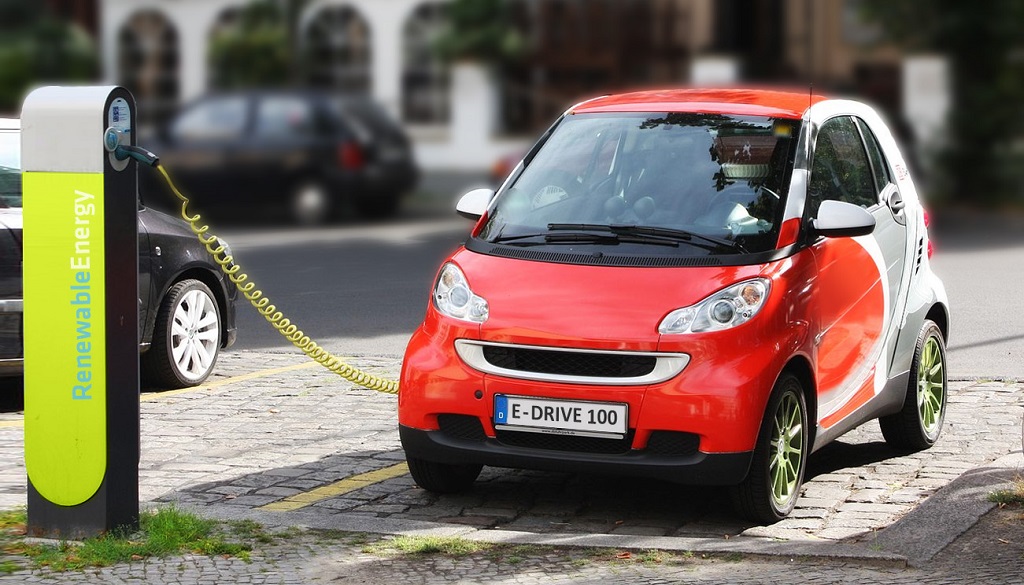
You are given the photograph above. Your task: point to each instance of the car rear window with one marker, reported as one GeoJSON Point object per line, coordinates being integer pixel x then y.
{"type": "Point", "coordinates": [368, 120]}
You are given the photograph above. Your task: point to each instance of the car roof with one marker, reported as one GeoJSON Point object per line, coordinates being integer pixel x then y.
{"type": "Point", "coordinates": [10, 124]}
{"type": "Point", "coordinates": [753, 102]}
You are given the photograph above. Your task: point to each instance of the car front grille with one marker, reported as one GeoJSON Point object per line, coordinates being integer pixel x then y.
{"type": "Point", "coordinates": [566, 442]}
{"type": "Point", "coordinates": [569, 363]}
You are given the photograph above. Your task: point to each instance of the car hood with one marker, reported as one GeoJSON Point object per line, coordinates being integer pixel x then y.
{"type": "Point", "coordinates": [600, 307]}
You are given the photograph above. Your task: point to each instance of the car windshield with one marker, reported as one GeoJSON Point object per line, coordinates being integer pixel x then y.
{"type": "Point", "coordinates": [10, 169]}
{"type": "Point", "coordinates": [675, 183]}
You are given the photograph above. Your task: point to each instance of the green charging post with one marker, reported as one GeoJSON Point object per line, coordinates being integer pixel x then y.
{"type": "Point", "coordinates": [81, 308]}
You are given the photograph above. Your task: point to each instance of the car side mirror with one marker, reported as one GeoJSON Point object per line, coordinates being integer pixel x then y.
{"type": "Point", "coordinates": [838, 219]}
{"type": "Point", "coordinates": [472, 205]}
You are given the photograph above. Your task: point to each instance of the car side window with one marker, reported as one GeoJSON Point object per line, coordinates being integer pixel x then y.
{"type": "Point", "coordinates": [840, 170]}
{"type": "Point", "coordinates": [878, 164]}
{"type": "Point", "coordinates": [283, 117]}
{"type": "Point", "coordinates": [215, 119]}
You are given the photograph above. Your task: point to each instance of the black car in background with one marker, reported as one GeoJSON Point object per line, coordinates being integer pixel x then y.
{"type": "Point", "coordinates": [186, 304]}
{"type": "Point", "coordinates": [302, 155]}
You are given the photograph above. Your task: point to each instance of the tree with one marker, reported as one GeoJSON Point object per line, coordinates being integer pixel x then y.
{"type": "Point", "coordinates": [254, 50]}
{"type": "Point", "coordinates": [482, 30]}
{"type": "Point", "coordinates": [984, 43]}
{"type": "Point", "coordinates": [36, 48]}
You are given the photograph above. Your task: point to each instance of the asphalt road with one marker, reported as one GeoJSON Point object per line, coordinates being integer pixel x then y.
{"type": "Point", "coordinates": [357, 290]}
{"type": "Point", "coordinates": [361, 290]}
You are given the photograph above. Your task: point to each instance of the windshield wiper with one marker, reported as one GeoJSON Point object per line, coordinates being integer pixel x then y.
{"type": "Point", "coordinates": [609, 238]}
{"type": "Point", "coordinates": [583, 236]}
{"type": "Point", "coordinates": [672, 234]}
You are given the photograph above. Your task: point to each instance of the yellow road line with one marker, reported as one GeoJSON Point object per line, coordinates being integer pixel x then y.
{"type": "Point", "coordinates": [9, 424]}
{"type": "Point", "coordinates": [338, 488]}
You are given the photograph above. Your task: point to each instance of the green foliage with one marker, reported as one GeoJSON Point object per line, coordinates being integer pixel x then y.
{"type": "Point", "coordinates": [1014, 496]}
{"type": "Point", "coordinates": [985, 46]}
{"type": "Point", "coordinates": [254, 51]}
{"type": "Point", "coordinates": [481, 30]}
{"type": "Point", "coordinates": [162, 533]}
{"type": "Point", "coordinates": [36, 49]}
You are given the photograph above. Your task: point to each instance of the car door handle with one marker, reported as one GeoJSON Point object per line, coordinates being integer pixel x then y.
{"type": "Point", "coordinates": [896, 201]}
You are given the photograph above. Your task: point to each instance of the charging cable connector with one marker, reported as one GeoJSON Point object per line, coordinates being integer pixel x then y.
{"type": "Point", "coordinates": [112, 144]}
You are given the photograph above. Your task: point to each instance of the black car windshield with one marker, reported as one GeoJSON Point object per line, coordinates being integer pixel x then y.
{"type": "Point", "coordinates": [711, 183]}
{"type": "Point", "coordinates": [10, 169]}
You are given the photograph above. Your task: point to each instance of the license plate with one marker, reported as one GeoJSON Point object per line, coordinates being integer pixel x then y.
{"type": "Point", "coordinates": [563, 417]}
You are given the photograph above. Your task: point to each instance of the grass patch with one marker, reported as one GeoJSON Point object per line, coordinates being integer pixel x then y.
{"type": "Point", "coordinates": [162, 533]}
{"type": "Point", "coordinates": [422, 545]}
{"type": "Point", "coordinates": [1014, 496]}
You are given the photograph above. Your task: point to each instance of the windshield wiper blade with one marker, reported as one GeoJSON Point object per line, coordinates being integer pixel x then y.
{"type": "Point", "coordinates": [503, 239]}
{"type": "Point", "coordinates": [607, 238]}
{"type": "Point", "coordinates": [673, 234]}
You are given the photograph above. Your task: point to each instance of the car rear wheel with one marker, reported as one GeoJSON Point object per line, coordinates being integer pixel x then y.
{"type": "Point", "coordinates": [442, 478]}
{"type": "Point", "coordinates": [918, 425]}
{"type": "Point", "coordinates": [186, 338]}
{"type": "Point", "coordinates": [772, 486]}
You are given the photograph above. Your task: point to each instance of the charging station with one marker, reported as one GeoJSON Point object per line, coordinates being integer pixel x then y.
{"type": "Point", "coordinates": [81, 311]}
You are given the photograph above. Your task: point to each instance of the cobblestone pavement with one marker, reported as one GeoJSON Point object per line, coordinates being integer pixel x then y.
{"type": "Point", "coordinates": [291, 432]}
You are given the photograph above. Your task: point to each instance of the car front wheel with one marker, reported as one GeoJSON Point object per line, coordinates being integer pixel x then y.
{"type": "Point", "coordinates": [186, 338]}
{"type": "Point", "coordinates": [442, 478]}
{"type": "Point", "coordinates": [772, 486]}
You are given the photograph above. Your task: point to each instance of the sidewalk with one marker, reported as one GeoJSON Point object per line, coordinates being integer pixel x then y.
{"type": "Point", "coordinates": [248, 442]}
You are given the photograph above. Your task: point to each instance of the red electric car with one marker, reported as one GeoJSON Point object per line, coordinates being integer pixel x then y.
{"type": "Point", "coordinates": [703, 286]}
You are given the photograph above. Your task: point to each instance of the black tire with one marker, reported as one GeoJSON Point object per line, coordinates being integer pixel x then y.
{"type": "Point", "coordinates": [188, 323]}
{"type": "Point", "coordinates": [769, 493]}
{"type": "Point", "coordinates": [442, 478]}
{"type": "Point", "coordinates": [919, 423]}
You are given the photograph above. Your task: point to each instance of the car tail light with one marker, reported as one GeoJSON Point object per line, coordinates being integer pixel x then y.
{"type": "Point", "coordinates": [927, 219]}
{"type": "Point", "coordinates": [931, 249]}
{"type": "Point", "coordinates": [351, 156]}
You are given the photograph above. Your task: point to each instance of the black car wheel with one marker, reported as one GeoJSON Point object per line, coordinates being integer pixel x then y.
{"type": "Point", "coordinates": [772, 486]}
{"type": "Point", "coordinates": [918, 424]}
{"type": "Point", "coordinates": [186, 338]}
{"type": "Point", "coordinates": [442, 478]}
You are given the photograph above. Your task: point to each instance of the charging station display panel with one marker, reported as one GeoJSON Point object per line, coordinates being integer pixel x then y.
{"type": "Point", "coordinates": [66, 276]}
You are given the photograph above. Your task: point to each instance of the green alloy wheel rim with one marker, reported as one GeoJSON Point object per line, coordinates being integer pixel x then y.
{"type": "Point", "coordinates": [931, 386]}
{"type": "Point", "coordinates": [787, 450]}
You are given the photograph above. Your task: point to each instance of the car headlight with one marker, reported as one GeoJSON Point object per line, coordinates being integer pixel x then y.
{"type": "Point", "coordinates": [454, 298]}
{"type": "Point", "coordinates": [724, 309]}
{"type": "Point", "coordinates": [227, 250]}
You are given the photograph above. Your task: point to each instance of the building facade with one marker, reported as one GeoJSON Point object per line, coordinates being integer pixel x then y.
{"type": "Point", "coordinates": [464, 116]}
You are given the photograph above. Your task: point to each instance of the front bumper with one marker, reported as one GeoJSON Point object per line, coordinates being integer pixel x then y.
{"type": "Point", "coordinates": [697, 468]}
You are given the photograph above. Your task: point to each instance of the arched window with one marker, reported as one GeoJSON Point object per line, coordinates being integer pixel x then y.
{"type": "Point", "coordinates": [148, 65]}
{"type": "Point", "coordinates": [425, 79]}
{"type": "Point", "coordinates": [338, 50]}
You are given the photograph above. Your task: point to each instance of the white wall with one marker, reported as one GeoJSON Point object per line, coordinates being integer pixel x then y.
{"type": "Point", "coordinates": [466, 144]}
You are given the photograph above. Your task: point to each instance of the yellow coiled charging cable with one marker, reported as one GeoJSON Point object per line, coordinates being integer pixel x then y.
{"type": "Point", "coordinates": [262, 304]}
